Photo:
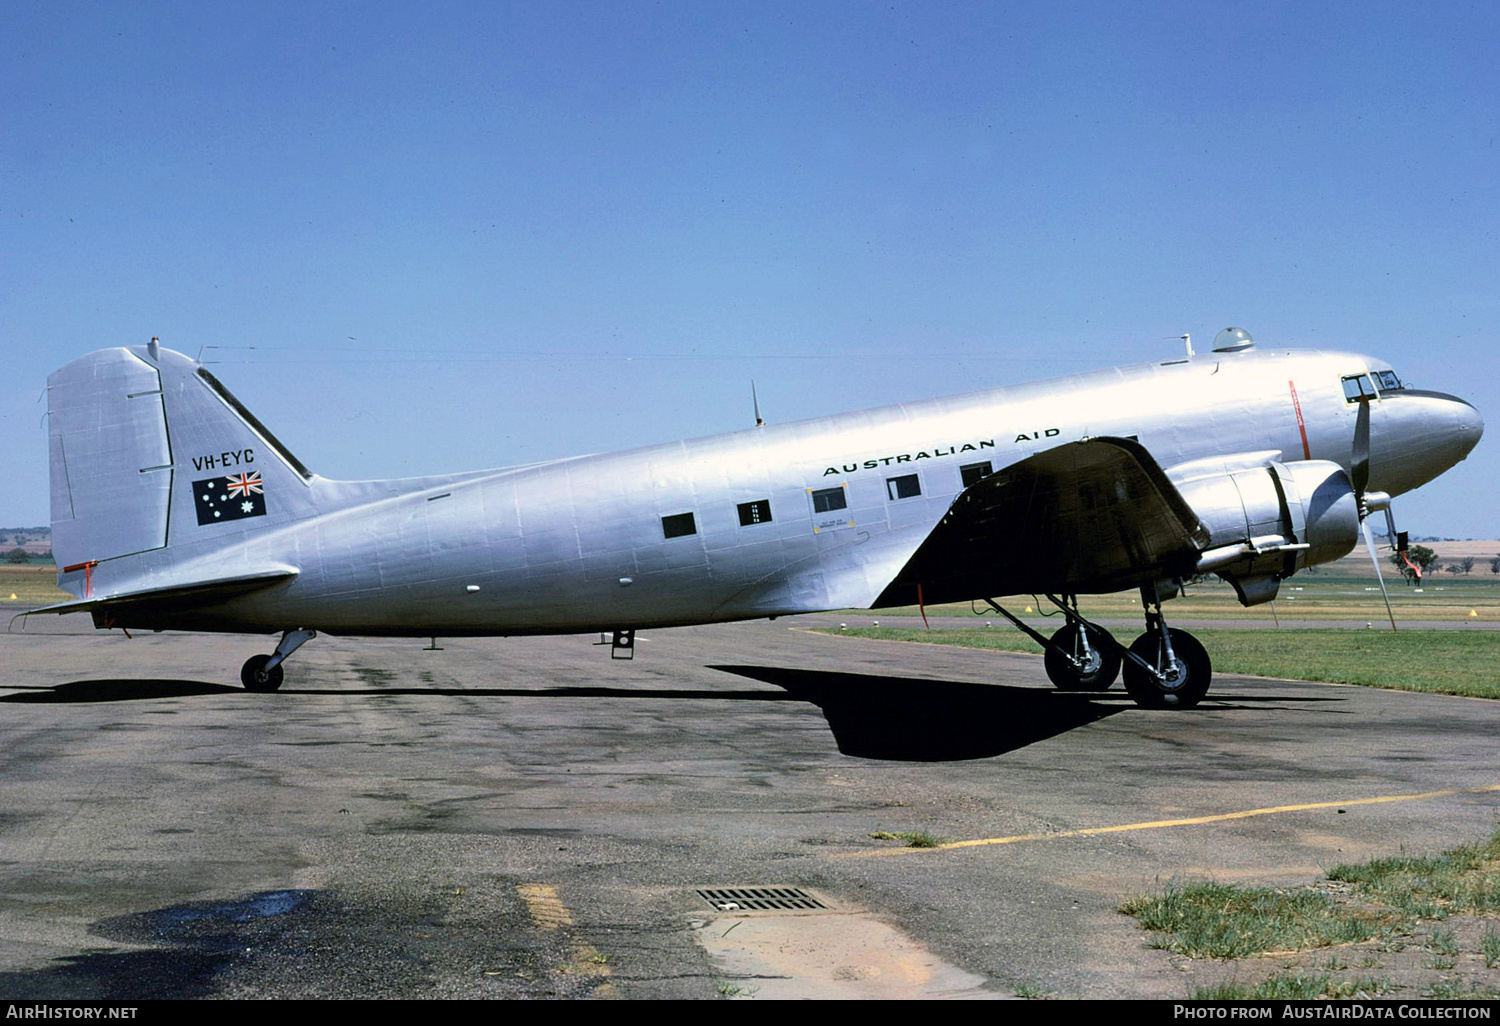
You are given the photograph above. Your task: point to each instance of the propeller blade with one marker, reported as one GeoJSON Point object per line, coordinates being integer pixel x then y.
{"type": "Point", "coordinates": [1364, 526]}
{"type": "Point", "coordinates": [1359, 468]}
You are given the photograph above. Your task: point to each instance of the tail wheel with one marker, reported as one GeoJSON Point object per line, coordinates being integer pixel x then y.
{"type": "Point", "coordinates": [1101, 666]}
{"type": "Point", "coordinates": [1183, 683]}
{"type": "Point", "coordinates": [257, 677]}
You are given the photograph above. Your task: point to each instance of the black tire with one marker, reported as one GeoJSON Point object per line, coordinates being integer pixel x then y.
{"type": "Point", "coordinates": [1099, 676]}
{"type": "Point", "coordinates": [256, 677]}
{"type": "Point", "coordinates": [1182, 689]}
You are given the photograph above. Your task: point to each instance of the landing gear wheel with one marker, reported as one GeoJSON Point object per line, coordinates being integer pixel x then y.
{"type": "Point", "coordinates": [1101, 669]}
{"type": "Point", "coordinates": [1185, 681]}
{"type": "Point", "coordinates": [256, 677]}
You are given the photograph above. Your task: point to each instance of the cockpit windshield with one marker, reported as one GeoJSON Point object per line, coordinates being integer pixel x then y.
{"type": "Point", "coordinates": [1371, 385]}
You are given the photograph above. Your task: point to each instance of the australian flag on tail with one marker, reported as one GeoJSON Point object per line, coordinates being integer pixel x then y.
{"type": "Point", "coordinates": [232, 497]}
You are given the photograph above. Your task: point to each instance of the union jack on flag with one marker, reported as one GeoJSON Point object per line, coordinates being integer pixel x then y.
{"type": "Point", "coordinates": [244, 484]}
{"type": "Point", "coordinates": [231, 497]}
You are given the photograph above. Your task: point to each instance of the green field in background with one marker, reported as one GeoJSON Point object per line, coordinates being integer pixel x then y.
{"type": "Point", "coordinates": [1450, 662]}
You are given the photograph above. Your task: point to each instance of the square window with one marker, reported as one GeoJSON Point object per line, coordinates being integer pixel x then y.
{"type": "Point", "coordinates": [905, 487]}
{"type": "Point", "coordinates": [974, 473]}
{"type": "Point", "coordinates": [678, 525]}
{"type": "Point", "coordinates": [826, 500]}
{"type": "Point", "coordinates": [757, 512]}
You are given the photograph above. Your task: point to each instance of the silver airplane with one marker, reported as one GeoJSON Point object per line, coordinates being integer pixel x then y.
{"type": "Point", "coordinates": [174, 508]}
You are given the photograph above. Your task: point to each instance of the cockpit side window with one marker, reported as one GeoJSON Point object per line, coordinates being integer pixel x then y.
{"type": "Point", "coordinates": [1388, 381]}
{"type": "Point", "coordinates": [1357, 387]}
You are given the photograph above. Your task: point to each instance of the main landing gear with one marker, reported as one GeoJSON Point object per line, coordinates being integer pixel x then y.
{"type": "Point", "coordinates": [1165, 668]}
{"type": "Point", "coordinates": [263, 672]}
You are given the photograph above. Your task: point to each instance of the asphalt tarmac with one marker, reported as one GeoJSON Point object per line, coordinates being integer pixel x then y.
{"type": "Point", "coordinates": [529, 818]}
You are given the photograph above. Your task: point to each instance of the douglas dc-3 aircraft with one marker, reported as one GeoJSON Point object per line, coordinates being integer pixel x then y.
{"type": "Point", "coordinates": [174, 508]}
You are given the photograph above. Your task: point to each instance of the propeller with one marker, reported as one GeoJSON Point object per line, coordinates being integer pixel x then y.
{"type": "Point", "coordinates": [1359, 466]}
{"type": "Point", "coordinates": [1359, 476]}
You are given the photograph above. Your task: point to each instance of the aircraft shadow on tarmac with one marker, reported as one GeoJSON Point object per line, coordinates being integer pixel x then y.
{"type": "Point", "coordinates": [80, 691]}
{"type": "Point", "coordinates": [908, 719]}
{"type": "Point", "coordinates": [916, 720]}
{"type": "Point", "coordinates": [873, 717]}
{"type": "Point", "coordinates": [919, 720]}
{"type": "Point", "coordinates": [113, 691]}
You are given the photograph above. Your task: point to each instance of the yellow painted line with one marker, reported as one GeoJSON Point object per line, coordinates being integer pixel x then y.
{"type": "Point", "coordinates": [1160, 823]}
{"type": "Point", "coordinates": [546, 909]}
{"type": "Point", "coordinates": [549, 913]}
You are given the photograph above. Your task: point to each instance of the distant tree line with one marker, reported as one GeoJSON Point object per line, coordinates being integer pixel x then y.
{"type": "Point", "coordinates": [1427, 560]}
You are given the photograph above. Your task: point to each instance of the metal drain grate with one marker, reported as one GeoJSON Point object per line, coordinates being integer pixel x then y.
{"type": "Point", "coordinates": [750, 899]}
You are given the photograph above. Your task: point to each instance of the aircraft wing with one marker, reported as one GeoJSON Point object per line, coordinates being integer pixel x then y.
{"type": "Point", "coordinates": [1086, 517]}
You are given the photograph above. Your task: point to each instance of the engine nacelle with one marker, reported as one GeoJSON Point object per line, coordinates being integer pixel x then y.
{"type": "Point", "coordinates": [1266, 519]}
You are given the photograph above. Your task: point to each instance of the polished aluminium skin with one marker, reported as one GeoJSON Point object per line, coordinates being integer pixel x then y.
{"type": "Point", "coordinates": [173, 508]}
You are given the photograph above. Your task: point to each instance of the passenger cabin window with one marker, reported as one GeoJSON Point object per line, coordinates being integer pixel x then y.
{"type": "Point", "coordinates": [905, 487]}
{"type": "Point", "coordinates": [973, 473]}
{"type": "Point", "coordinates": [1357, 387]}
{"type": "Point", "coordinates": [757, 512]}
{"type": "Point", "coordinates": [678, 525]}
{"type": "Point", "coordinates": [826, 500]}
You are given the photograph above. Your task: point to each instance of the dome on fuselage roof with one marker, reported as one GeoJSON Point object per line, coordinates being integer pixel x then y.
{"type": "Point", "coordinates": [1232, 340]}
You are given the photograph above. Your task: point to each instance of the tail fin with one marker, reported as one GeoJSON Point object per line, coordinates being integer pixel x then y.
{"type": "Point", "coordinates": [148, 451]}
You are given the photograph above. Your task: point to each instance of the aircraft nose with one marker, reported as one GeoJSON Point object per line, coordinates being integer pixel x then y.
{"type": "Point", "coordinates": [1425, 433]}
{"type": "Point", "coordinates": [1456, 429]}
{"type": "Point", "coordinates": [1469, 426]}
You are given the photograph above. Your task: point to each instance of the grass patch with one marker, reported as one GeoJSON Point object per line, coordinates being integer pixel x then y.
{"type": "Point", "coordinates": [913, 838]}
{"type": "Point", "coordinates": [1458, 990]}
{"type": "Point", "coordinates": [1463, 880]}
{"type": "Point", "coordinates": [1443, 942]}
{"type": "Point", "coordinates": [1443, 662]}
{"type": "Point", "coordinates": [34, 585]}
{"type": "Point", "coordinates": [1208, 920]}
{"type": "Point", "coordinates": [1382, 900]}
{"type": "Point", "coordinates": [1489, 948]}
{"type": "Point", "coordinates": [1295, 987]}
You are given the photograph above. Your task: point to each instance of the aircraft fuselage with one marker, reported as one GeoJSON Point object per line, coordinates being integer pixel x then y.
{"type": "Point", "coordinates": [814, 515]}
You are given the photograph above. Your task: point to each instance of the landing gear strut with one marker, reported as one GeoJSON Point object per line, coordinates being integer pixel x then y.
{"type": "Point", "coordinates": [1080, 656]}
{"type": "Point", "coordinates": [1166, 668]}
{"type": "Point", "coordinates": [263, 672]}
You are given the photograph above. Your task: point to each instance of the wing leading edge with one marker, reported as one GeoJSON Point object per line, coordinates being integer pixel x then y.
{"type": "Point", "coordinates": [1087, 517]}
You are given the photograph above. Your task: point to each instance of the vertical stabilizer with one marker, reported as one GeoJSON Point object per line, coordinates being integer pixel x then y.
{"type": "Point", "coordinates": [149, 452]}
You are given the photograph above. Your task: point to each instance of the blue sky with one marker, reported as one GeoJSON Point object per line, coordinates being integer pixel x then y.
{"type": "Point", "coordinates": [465, 235]}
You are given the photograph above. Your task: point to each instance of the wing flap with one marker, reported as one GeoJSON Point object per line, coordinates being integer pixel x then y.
{"type": "Point", "coordinates": [1087, 517]}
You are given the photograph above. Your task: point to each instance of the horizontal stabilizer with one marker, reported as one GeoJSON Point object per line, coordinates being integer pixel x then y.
{"type": "Point", "coordinates": [206, 592]}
